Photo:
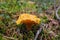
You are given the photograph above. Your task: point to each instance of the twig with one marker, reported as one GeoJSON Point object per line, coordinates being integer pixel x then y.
{"type": "Point", "coordinates": [10, 38]}
{"type": "Point", "coordinates": [37, 33]}
{"type": "Point", "coordinates": [57, 13]}
{"type": "Point", "coordinates": [56, 10]}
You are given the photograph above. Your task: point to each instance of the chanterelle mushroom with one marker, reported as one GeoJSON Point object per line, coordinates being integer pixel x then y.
{"type": "Point", "coordinates": [28, 19]}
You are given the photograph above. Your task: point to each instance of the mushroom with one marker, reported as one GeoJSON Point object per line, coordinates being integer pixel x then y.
{"type": "Point", "coordinates": [28, 19]}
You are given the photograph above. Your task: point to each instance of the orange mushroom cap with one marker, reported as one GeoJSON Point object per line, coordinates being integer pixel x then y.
{"type": "Point", "coordinates": [28, 19]}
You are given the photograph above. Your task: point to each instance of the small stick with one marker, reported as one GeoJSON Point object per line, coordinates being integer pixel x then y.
{"type": "Point", "coordinates": [39, 31]}
{"type": "Point", "coordinates": [10, 38]}
{"type": "Point", "coordinates": [57, 13]}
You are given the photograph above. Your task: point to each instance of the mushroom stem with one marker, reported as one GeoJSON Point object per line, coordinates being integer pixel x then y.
{"type": "Point", "coordinates": [28, 27]}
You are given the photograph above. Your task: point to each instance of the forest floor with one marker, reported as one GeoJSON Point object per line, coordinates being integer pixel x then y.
{"type": "Point", "coordinates": [48, 11]}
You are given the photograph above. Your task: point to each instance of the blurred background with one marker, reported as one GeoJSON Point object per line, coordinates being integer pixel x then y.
{"type": "Point", "coordinates": [47, 10]}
